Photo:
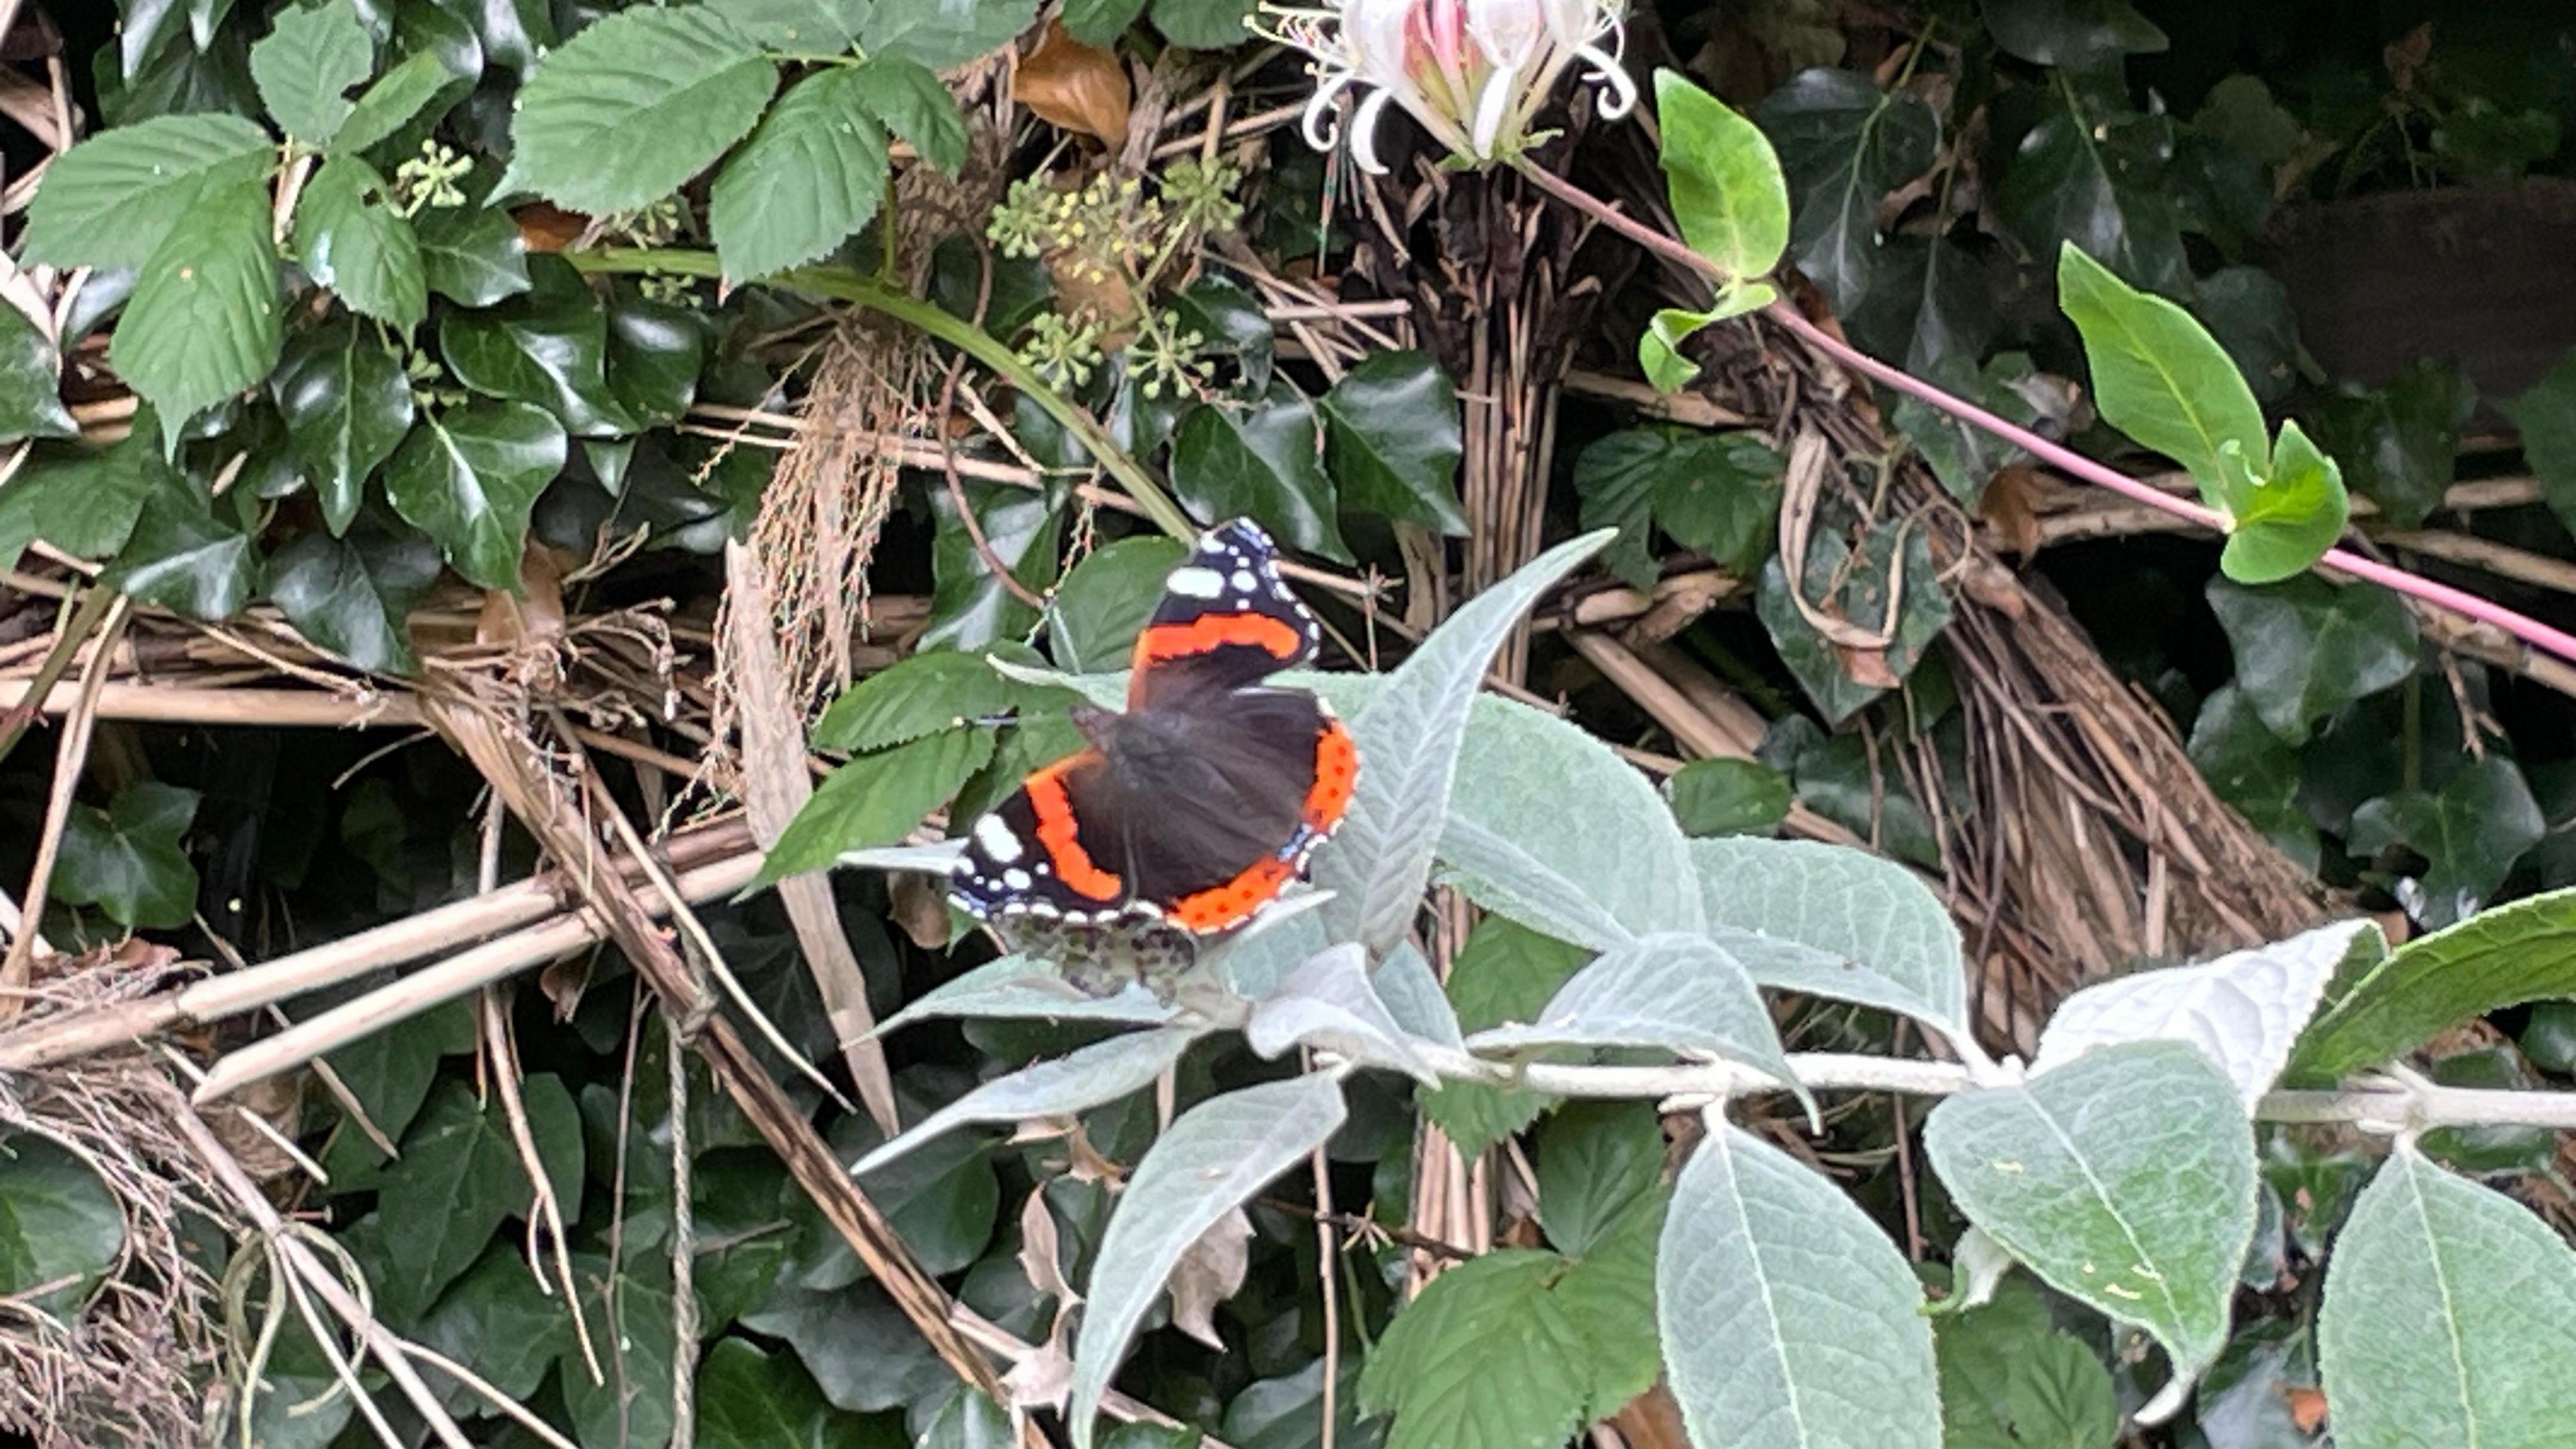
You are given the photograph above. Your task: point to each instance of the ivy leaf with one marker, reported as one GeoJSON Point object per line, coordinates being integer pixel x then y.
{"type": "Point", "coordinates": [1728, 797]}
{"type": "Point", "coordinates": [1922, 612]}
{"type": "Point", "coordinates": [2159, 376]}
{"type": "Point", "coordinates": [113, 199]}
{"type": "Point", "coordinates": [83, 502]}
{"type": "Point", "coordinates": [126, 859]}
{"type": "Point", "coordinates": [2285, 522]}
{"type": "Point", "coordinates": [1727, 192]}
{"type": "Point", "coordinates": [1107, 599]}
{"type": "Point", "coordinates": [347, 406]}
{"type": "Point", "coordinates": [500, 1320]}
{"type": "Point", "coordinates": [471, 255]}
{"type": "Point", "coordinates": [1204, 24]}
{"type": "Point", "coordinates": [2545, 414]}
{"type": "Point", "coordinates": [656, 350]}
{"type": "Point", "coordinates": [327, 590]}
{"type": "Point", "coordinates": [2094, 182]}
{"type": "Point", "coordinates": [1844, 145]}
{"type": "Point", "coordinates": [1485, 1355]}
{"type": "Point", "coordinates": [812, 174]}
{"type": "Point", "coordinates": [184, 558]}
{"type": "Point", "coordinates": [1392, 441]}
{"type": "Point", "coordinates": [2253, 770]}
{"type": "Point", "coordinates": [2472, 830]}
{"type": "Point", "coordinates": [747, 1396]}
{"type": "Point", "coordinates": [1259, 459]}
{"type": "Point", "coordinates": [2070, 33]}
{"type": "Point", "coordinates": [1504, 972]}
{"type": "Point", "coordinates": [459, 1177]}
{"type": "Point", "coordinates": [945, 33]}
{"type": "Point", "coordinates": [469, 478]}
{"type": "Point", "coordinates": [1230, 323]}
{"type": "Point", "coordinates": [31, 383]}
{"type": "Point", "coordinates": [1716, 492]}
{"type": "Point", "coordinates": [392, 102]}
{"type": "Point", "coordinates": [305, 65]}
{"type": "Point", "coordinates": [805, 27]}
{"type": "Point", "coordinates": [969, 606]}
{"type": "Point", "coordinates": [638, 102]}
{"type": "Point", "coordinates": [2401, 442]}
{"type": "Point", "coordinates": [907, 96]}
{"type": "Point", "coordinates": [353, 241]}
{"type": "Point", "coordinates": [204, 322]}
{"type": "Point", "coordinates": [61, 1230]}
{"type": "Point", "coordinates": [549, 347]}
{"type": "Point", "coordinates": [877, 799]}
{"type": "Point", "coordinates": [2306, 648]}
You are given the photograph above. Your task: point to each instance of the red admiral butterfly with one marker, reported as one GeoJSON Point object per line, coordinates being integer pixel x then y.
{"type": "Point", "coordinates": [1193, 809]}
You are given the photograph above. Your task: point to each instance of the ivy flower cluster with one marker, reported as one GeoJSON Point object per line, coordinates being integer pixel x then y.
{"type": "Point", "coordinates": [1473, 72]}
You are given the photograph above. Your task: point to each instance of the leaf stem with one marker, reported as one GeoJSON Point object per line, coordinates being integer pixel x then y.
{"type": "Point", "coordinates": [844, 285]}
{"type": "Point", "coordinates": [1671, 249]}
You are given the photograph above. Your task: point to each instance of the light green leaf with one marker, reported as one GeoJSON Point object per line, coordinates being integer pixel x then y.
{"type": "Point", "coordinates": [908, 97]}
{"type": "Point", "coordinates": [2285, 521]}
{"type": "Point", "coordinates": [469, 477]}
{"type": "Point", "coordinates": [1392, 441]}
{"type": "Point", "coordinates": [1728, 195]}
{"type": "Point", "coordinates": [1505, 878]}
{"type": "Point", "coordinates": [1016, 988]}
{"type": "Point", "coordinates": [2545, 415]}
{"type": "Point", "coordinates": [31, 381]}
{"type": "Point", "coordinates": [1728, 797]}
{"type": "Point", "coordinates": [1485, 1356]}
{"type": "Point", "coordinates": [2158, 375]}
{"type": "Point", "coordinates": [1214, 1158]}
{"type": "Point", "coordinates": [2306, 648]}
{"type": "Point", "coordinates": [353, 241]}
{"type": "Point", "coordinates": [2449, 1317]}
{"type": "Point", "coordinates": [2125, 1179]}
{"type": "Point", "coordinates": [2472, 830]}
{"type": "Point", "coordinates": [812, 174]}
{"type": "Point", "coordinates": [305, 65]}
{"type": "Point", "coordinates": [1059, 1087]}
{"type": "Point", "coordinates": [877, 799]}
{"type": "Point", "coordinates": [1327, 1002]}
{"type": "Point", "coordinates": [635, 104]}
{"type": "Point", "coordinates": [111, 200]}
{"type": "Point", "coordinates": [2525, 951]}
{"type": "Point", "coordinates": [1682, 993]}
{"type": "Point", "coordinates": [945, 33]}
{"type": "Point", "coordinates": [1834, 922]}
{"type": "Point", "coordinates": [392, 102]}
{"type": "Point", "coordinates": [347, 406]}
{"type": "Point", "coordinates": [61, 1230]}
{"type": "Point", "coordinates": [1789, 1320]}
{"type": "Point", "coordinates": [1259, 460]}
{"type": "Point", "coordinates": [204, 322]}
{"type": "Point", "coordinates": [472, 254]}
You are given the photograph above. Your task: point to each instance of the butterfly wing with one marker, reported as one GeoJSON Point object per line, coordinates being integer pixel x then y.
{"type": "Point", "coordinates": [1226, 621]}
{"type": "Point", "coordinates": [1056, 847]}
{"type": "Point", "coordinates": [1253, 782]}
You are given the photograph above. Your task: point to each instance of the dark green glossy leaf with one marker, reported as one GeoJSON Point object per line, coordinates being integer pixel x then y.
{"type": "Point", "coordinates": [2096, 182]}
{"type": "Point", "coordinates": [347, 406]}
{"type": "Point", "coordinates": [1259, 460]}
{"type": "Point", "coordinates": [325, 588]}
{"type": "Point", "coordinates": [2489, 1151]}
{"type": "Point", "coordinates": [185, 557]}
{"type": "Point", "coordinates": [1100, 22]}
{"type": "Point", "coordinates": [1020, 288]}
{"type": "Point", "coordinates": [126, 859]}
{"type": "Point", "coordinates": [813, 173]}
{"type": "Point", "coordinates": [2072, 33]}
{"type": "Point", "coordinates": [204, 322]}
{"type": "Point", "coordinates": [631, 1310]}
{"type": "Point", "coordinates": [468, 478]}
{"type": "Point", "coordinates": [969, 606]}
{"type": "Point", "coordinates": [1922, 612]}
{"type": "Point", "coordinates": [1230, 323]}
{"type": "Point", "coordinates": [1505, 972]}
{"type": "Point", "coordinates": [392, 102]}
{"type": "Point", "coordinates": [943, 1199]}
{"type": "Point", "coordinates": [471, 254]}
{"type": "Point", "coordinates": [1728, 797]}
{"type": "Point", "coordinates": [549, 347]}
{"type": "Point", "coordinates": [353, 241]}
{"type": "Point", "coordinates": [61, 1230]}
{"type": "Point", "coordinates": [111, 200]}
{"type": "Point", "coordinates": [907, 96]}
{"type": "Point", "coordinates": [1844, 145]}
{"type": "Point", "coordinates": [655, 353]}
{"type": "Point", "coordinates": [638, 102]}
{"type": "Point", "coordinates": [747, 1396]}
{"type": "Point", "coordinates": [501, 1321]}
{"type": "Point", "coordinates": [1392, 442]}
{"type": "Point", "coordinates": [81, 501]}
{"type": "Point", "coordinates": [389, 1072]}
{"type": "Point", "coordinates": [2253, 770]}
{"type": "Point", "coordinates": [2399, 444]}
{"type": "Point", "coordinates": [459, 1178]}
{"type": "Point", "coordinates": [877, 799]}
{"type": "Point", "coordinates": [2549, 1038]}
{"type": "Point", "coordinates": [1204, 24]}
{"type": "Point", "coordinates": [1106, 601]}
{"type": "Point", "coordinates": [2546, 416]}
{"type": "Point", "coordinates": [2306, 648]}
{"type": "Point", "coordinates": [31, 375]}
{"type": "Point", "coordinates": [1287, 1412]}
{"type": "Point", "coordinates": [1716, 492]}
{"type": "Point", "coordinates": [306, 64]}
{"type": "Point", "coordinates": [2472, 830]}
{"type": "Point", "coordinates": [1837, 779]}
{"type": "Point", "coordinates": [2248, 311]}
{"type": "Point", "coordinates": [861, 1350]}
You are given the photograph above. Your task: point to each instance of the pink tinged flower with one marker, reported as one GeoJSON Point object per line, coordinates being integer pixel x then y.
{"type": "Point", "coordinates": [1475, 73]}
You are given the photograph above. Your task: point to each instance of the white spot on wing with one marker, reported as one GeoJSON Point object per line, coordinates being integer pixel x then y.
{"type": "Point", "coordinates": [1016, 878]}
{"type": "Point", "coordinates": [997, 839]}
{"type": "Point", "coordinates": [1244, 582]}
{"type": "Point", "coordinates": [1196, 583]}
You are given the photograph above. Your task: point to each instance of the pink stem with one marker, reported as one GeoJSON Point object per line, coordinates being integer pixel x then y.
{"type": "Point", "coordinates": [2485, 611]}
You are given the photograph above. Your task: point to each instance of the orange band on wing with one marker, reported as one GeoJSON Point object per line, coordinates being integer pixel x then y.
{"type": "Point", "coordinates": [1337, 768]}
{"type": "Point", "coordinates": [1225, 906]}
{"type": "Point", "coordinates": [1058, 834]}
{"type": "Point", "coordinates": [1214, 631]}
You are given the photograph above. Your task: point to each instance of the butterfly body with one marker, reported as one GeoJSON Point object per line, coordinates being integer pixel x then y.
{"type": "Point", "coordinates": [1195, 807]}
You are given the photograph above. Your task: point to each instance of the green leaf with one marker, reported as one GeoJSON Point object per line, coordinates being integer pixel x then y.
{"type": "Point", "coordinates": [969, 607]}
{"type": "Point", "coordinates": [84, 503]}
{"type": "Point", "coordinates": [2449, 1316]}
{"type": "Point", "coordinates": [390, 1072]}
{"type": "Point", "coordinates": [802, 27]}
{"type": "Point", "coordinates": [1107, 600]}
{"type": "Point", "coordinates": [127, 860]}
{"type": "Point", "coordinates": [941, 1199]}
{"type": "Point", "coordinates": [2253, 770]}
{"type": "Point", "coordinates": [1610, 1297]}
{"type": "Point", "coordinates": [1844, 145]}
{"type": "Point", "coordinates": [185, 558]}
{"type": "Point", "coordinates": [469, 478]}
{"type": "Point", "coordinates": [113, 199]}
{"type": "Point", "coordinates": [204, 322]}
{"type": "Point", "coordinates": [501, 1321]}
{"type": "Point", "coordinates": [1485, 1356]}
{"type": "Point", "coordinates": [908, 97]}
{"type": "Point", "coordinates": [1789, 1320]}
{"type": "Point", "coordinates": [635, 104]}
{"type": "Point", "coordinates": [1204, 24]}
{"type": "Point", "coordinates": [306, 63]}
{"type": "Point", "coordinates": [1391, 440]}
{"type": "Point", "coordinates": [2549, 1039]}
{"type": "Point", "coordinates": [812, 174]}
{"type": "Point", "coordinates": [61, 1230]}
{"type": "Point", "coordinates": [2306, 648]}
{"type": "Point", "coordinates": [392, 102]}
{"type": "Point", "coordinates": [353, 241]}
{"type": "Point", "coordinates": [1716, 492]}
{"type": "Point", "coordinates": [2011, 1381]}
{"type": "Point", "coordinates": [877, 799]}
{"type": "Point", "coordinates": [749, 1397]}
{"type": "Point", "coordinates": [1680, 992]}
{"type": "Point", "coordinates": [1259, 460]}
{"type": "Point", "coordinates": [859, 1347]}
{"type": "Point", "coordinates": [1728, 797]}
{"type": "Point", "coordinates": [347, 406]}
{"type": "Point", "coordinates": [1504, 972]}
{"type": "Point", "coordinates": [2545, 414]}
{"type": "Point", "coordinates": [924, 694]}
{"type": "Point", "coordinates": [327, 591]}
{"type": "Point", "coordinates": [1595, 1161]}
{"type": "Point", "coordinates": [549, 347]}
{"type": "Point", "coordinates": [1659, 347]}
{"type": "Point", "coordinates": [631, 1311]}
{"type": "Point", "coordinates": [656, 351]}
{"type": "Point", "coordinates": [2125, 1179]}
{"type": "Point", "coordinates": [945, 33]}
{"type": "Point", "coordinates": [2094, 180]}
{"type": "Point", "coordinates": [2472, 830]}
{"type": "Point", "coordinates": [1855, 591]}
{"type": "Point", "coordinates": [2248, 311]}
{"type": "Point", "coordinates": [1076, 1082]}
{"type": "Point", "coordinates": [1212, 1161]}
{"type": "Point", "coordinates": [471, 254]}
{"type": "Point", "coordinates": [460, 1177]}
{"type": "Point", "coordinates": [2072, 33]}
{"type": "Point", "coordinates": [2525, 951]}
{"type": "Point", "coordinates": [1231, 324]}
{"type": "Point", "coordinates": [31, 383]}
{"type": "Point", "coordinates": [2400, 443]}
{"type": "Point", "coordinates": [1099, 23]}
{"type": "Point", "coordinates": [2159, 376]}
{"type": "Point", "coordinates": [2285, 522]}
{"type": "Point", "coordinates": [1727, 192]}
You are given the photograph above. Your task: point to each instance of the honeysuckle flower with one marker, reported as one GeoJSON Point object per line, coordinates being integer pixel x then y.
{"type": "Point", "coordinates": [1473, 72]}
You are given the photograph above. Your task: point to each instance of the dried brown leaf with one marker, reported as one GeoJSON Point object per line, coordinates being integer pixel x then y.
{"type": "Point", "coordinates": [1079, 87]}
{"type": "Point", "coordinates": [1210, 1273]}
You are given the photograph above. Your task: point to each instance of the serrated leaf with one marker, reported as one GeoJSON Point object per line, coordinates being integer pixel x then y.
{"type": "Point", "coordinates": [1716, 492]}
{"type": "Point", "coordinates": [1108, 598]}
{"type": "Point", "coordinates": [185, 558]}
{"type": "Point", "coordinates": [2306, 648]}
{"type": "Point", "coordinates": [84, 503]}
{"type": "Point", "coordinates": [325, 589]}
{"type": "Point", "coordinates": [2243, 1010]}
{"type": "Point", "coordinates": [469, 477]}
{"type": "Point", "coordinates": [1392, 440]}
{"type": "Point", "coordinates": [2449, 1317]}
{"type": "Point", "coordinates": [549, 347]}
{"type": "Point", "coordinates": [1728, 797]}
{"type": "Point", "coordinates": [1485, 1355]}
{"type": "Point", "coordinates": [1328, 1002]}
{"type": "Point", "coordinates": [1076, 1082]}
{"type": "Point", "coordinates": [1214, 1158]}
{"type": "Point", "coordinates": [945, 33]}
{"type": "Point", "coordinates": [1505, 972]}
{"type": "Point", "coordinates": [2524, 951]}
{"type": "Point", "coordinates": [1410, 737]}
{"type": "Point", "coordinates": [471, 254]}
{"type": "Point", "coordinates": [1844, 144]}
{"type": "Point", "coordinates": [813, 173]}
{"type": "Point", "coordinates": [1834, 922]}
{"type": "Point", "coordinates": [635, 104]}
{"type": "Point", "coordinates": [31, 379]}
{"type": "Point", "coordinates": [347, 406]}
{"type": "Point", "coordinates": [1259, 460]}
{"type": "Point", "coordinates": [1609, 1295]}
{"type": "Point", "coordinates": [61, 1230]}
{"type": "Point", "coordinates": [204, 322]}
{"type": "Point", "coordinates": [305, 65]}
{"type": "Point", "coordinates": [876, 799]}
{"type": "Point", "coordinates": [1682, 993]}
{"type": "Point", "coordinates": [923, 694]}
{"type": "Point", "coordinates": [2158, 375]}
{"type": "Point", "coordinates": [1728, 196]}
{"type": "Point", "coordinates": [1789, 1320]}
{"type": "Point", "coordinates": [2125, 1179]}
{"type": "Point", "coordinates": [352, 240]}
{"type": "Point", "coordinates": [392, 102]}
{"type": "Point", "coordinates": [907, 96]}
{"type": "Point", "coordinates": [113, 199]}
{"type": "Point", "coordinates": [2472, 830]}
{"type": "Point", "coordinates": [1100, 22]}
